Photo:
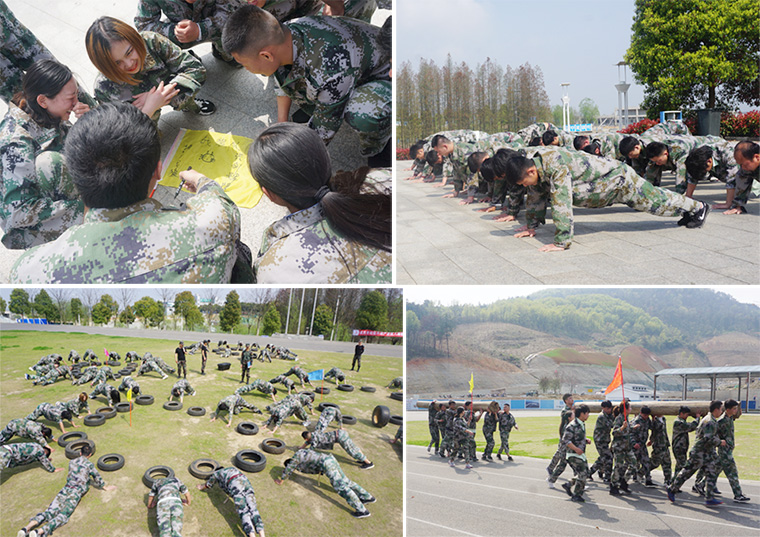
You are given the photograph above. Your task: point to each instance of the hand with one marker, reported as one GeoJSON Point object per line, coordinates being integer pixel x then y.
{"type": "Point", "coordinates": [551, 248]}
{"type": "Point", "coordinates": [438, 185]}
{"type": "Point", "coordinates": [187, 31]}
{"type": "Point", "coordinates": [202, 486]}
{"type": "Point", "coordinates": [487, 209]}
{"type": "Point", "coordinates": [80, 109]}
{"type": "Point", "coordinates": [467, 201]}
{"type": "Point", "coordinates": [487, 199]}
{"type": "Point", "coordinates": [192, 178]}
{"type": "Point", "coordinates": [335, 9]}
{"type": "Point", "coordinates": [723, 443]}
{"type": "Point", "coordinates": [278, 481]}
{"type": "Point", "coordinates": [505, 218]}
{"type": "Point", "coordinates": [735, 210]}
{"type": "Point", "coordinates": [109, 487]}
{"type": "Point", "coordinates": [525, 232]}
{"type": "Point", "coordinates": [159, 96]}
{"type": "Point", "coordinates": [58, 470]}
{"type": "Point", "coordinates": [451, 195]}
{"type": "Point", "coordinates": [588, 440]}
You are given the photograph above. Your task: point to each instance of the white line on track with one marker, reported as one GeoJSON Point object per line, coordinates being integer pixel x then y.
{"type": "Point", "coordinates": [444, 527]}
{"type": "Point", "coordinates": [534, 515]}
{"type": "Point", "coordinates": [555, 497]}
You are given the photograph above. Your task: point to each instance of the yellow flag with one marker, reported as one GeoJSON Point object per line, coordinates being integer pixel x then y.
{"type": "Point", "coordinates": [472, 381]}
{"type": "Point", "coordinates": [129, 394]}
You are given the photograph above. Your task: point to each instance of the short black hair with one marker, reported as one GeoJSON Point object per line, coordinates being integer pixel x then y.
{"type": "Point", "coordinates": [627, 145]}
{"type": "Point", "coordinates": [566, 397]}
{"type": "Point", "coordinates": [486, 170]}
{"type": "Point", "coordinates": [606, 404]}
{"type": "Point", "coordinates": [730, 403]}
{"type": "Point", "coordinates": [715, 405]}
{"type": "Point", "coordinates": [645, 410]}
{"type": "Point", "coordinates": [304, 434]}
{"type": "Point", "coordinates": [111, 153]}
{"type": "Point", "coordinates": [66, 415]}
{"type": "Point", "coordinates": [696, 162]}
{"type": "Point", "coordinates": [501, 158]}
{"type": "Point", "coordinates": [250, 29]}
{"type": "Point", "coordinates": [437, 139]}
{"type": "Point", "coordinates": [135, 389]}
{"type": "Point", "coordinates": [474, 160]}
{"type": "Point", "coordinates": [593, 148]}
{"type": "Point", "coordinates": [47, 432]}
{"type": "Point", "coordinates": [655, 149]}
{"type": "Point", "coordinates": [86, 450]}
{"type": "Point", "coordinates": [516, 169]}
{"type": "Point", "coordinates": [747, 149]}
{"type": "Point", "coordinates": [535, 141]}
{"type": "Point", "coordinates": [431, 157]}
{"type": "Point", "coordinates": [684, 409]}
{"type": "Point", "coordinates": [176, 392]}
{"type": "Point", "coordinates": [416, 146]}
{"type": "Point", "coordinates": [115, 396]}
{"type": "Point", "coordinates": [579, 140]}
{"type": "Point", "coordinates": [548, 137]}
{"type": "Point", "coordinates": [582, 409]}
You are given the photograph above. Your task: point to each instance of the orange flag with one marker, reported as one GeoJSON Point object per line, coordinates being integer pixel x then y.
{"type": "Point", "coordinates": [617, 380]}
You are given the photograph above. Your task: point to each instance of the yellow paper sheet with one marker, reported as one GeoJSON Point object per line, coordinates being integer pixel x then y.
{"type": "Point", "coordinates": [219, 156]}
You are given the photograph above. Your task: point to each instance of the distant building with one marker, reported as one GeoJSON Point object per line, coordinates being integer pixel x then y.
{"type": "Point", "coordinates": [633, 392]}
{"type": "Point", "coordinates": [634, 116]}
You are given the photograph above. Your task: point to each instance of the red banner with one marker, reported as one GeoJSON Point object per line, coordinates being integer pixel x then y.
{"type": "Point", "coordinates": [379, 334]}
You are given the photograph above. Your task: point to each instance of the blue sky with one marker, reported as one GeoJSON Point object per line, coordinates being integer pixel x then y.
{"type": "Point", "coordinates": [573, 42]}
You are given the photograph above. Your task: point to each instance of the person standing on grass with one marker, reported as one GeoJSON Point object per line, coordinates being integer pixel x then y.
{"type": "Point", "coordinates": [358, 351]}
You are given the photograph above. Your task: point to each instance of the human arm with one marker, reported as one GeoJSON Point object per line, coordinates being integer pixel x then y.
{"type": "Point", "coordinates": [334, 8]}
{"type": "Point", "coordinates": [283, 108]}
{"type": "Point", "coordinates": [148, 18]}
{"type": "Point", "coordinates": [187, 72]}
{"type": "Point", "coordinates": [151, 500]}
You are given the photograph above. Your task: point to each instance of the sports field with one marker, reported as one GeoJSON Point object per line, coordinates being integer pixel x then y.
{"type": "Point", "coordinates": [303, 505]}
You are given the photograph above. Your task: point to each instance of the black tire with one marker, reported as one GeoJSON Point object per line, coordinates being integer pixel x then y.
{"type": "Point", "coordinates": [380, 416]}
{"type": "Point", "coordinates": [250, 460]}
{"type": "Point", "coordinates": [111, 462]}
{"type": "Point", "coordinates": [107, 412]}
{"type": "Point", "coordinates": [73, 449]}
{"type": "Point", "coordinates": [113, 363]}
{"type": "Point", "coordinates": [395, 419]}
{"type": "Point", "coordinates": [369, 389]}
{"type": "Point", "coordinates": [172, 405]}
{"type": "Point", "coordinates": [124, 372]}
{"type": "Point", "coordinates": [156, 472]}
{"type": "Point", "coordinates": [247, 428]}
{"type": "Point", "coordinates": [117, 376]}
{"type": "Point", "coordinates": [235, 353]}
{"type": "Point", "coordinates": [345, 387]}
{"type": "Point", "coordinates": [310, 394]}
{"type": "Point", "coordinates": [275, 446]}
{"type": "Point", "coordinates": [349, 420]}
{"type": "Point", "coordinates": [397, 396]}
{"type": "Point", "coordinates": [196, 411]}
{"type": "Point", "coordinates": [223, 366]}
{"type": "Point", "coordinates": [323, 391]}
{"type": "Point", "coordinates": [203, 468]}
{"type": "Point", "coordinates": [94, 420]}
{"type": "Point", "coordinates": [124, 406]}
{"type": "Point", "coordinates": [325, 405]}
{"type": "Point", "coordinates": [144, 400]}
{"type": "Point", "coordinates": [67, 438]}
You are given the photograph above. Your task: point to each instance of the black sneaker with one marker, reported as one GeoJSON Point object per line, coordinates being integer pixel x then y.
{"type": "Point", "coordinates": [367, 465]}
{"type": "Point", "coordinates": [615, 491]}
{"type": "Point", "coordinates": [649, 484]}
{"type": "Point", "coordinates": [686, 218]}
{"type": "Point", "coordinates": [578, 499]}
{"type": "Point", "coordinates": [699, 489]}
{"type": "Point", "coordinates": [624, 487]}
{"type": "Point", "coordinates": [509, 458]}
{"type": "Point", "coordinates": [360, 514]}
{"type": "Point", "coordinates": [372, 499]}
{"type": "Point", "coordinates": [741, 499]}
{"type": "Point", "coordinates": [590, 477]}
{"type": "Point", "coordinates": [498, 456]}
{"type": "Point", "coordinates": [717, 492]}
{"type": "Point", "coordinates": [206, 107]}
{"type": "Point", "coordinates": [566, 486]}
{"type": "Point", "coordinates": [699, 217]}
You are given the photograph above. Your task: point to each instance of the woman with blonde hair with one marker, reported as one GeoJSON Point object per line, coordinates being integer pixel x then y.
{"type": "Point", "coordinates": [144, 69]}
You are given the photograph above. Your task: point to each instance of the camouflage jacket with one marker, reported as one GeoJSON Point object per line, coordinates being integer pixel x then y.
{"type": "Point", "coordinates": [128, 383]}
{"type": "Point", "coordinates": [76, 406]}
{"type": "Point", "coordinates": [640, 434]}
{"type": "Point", "coordinates": [603, 428]}
{"type": "Point", "coordinates": [440, 418]}
{"type": "Point", "coordinates": [234, 403]}
{"type": "Point", "coordinates": [621, 437]}
{"type": "Point", "coordinates": [336, 373]}
{"type": "Point", "coordinates": [460, 427]}
{"type": "Point", "coordinates": [330, 413]}
{"type": "Point", "coordinates": [538, 129]}
{"type": "Point", "coordinates": [566, 416]}
{"type": "Point", "coordinates": [285, 10]}
{"type": "Point", "coordinates": [659, 435]}
{"type": "Point", "coordinates": [660, 131]}
{"type": "Point", "coordinates": [26, 428]}
{"type": "Point", "coordinates": [506, 421]}
{"type": "Point", "coordinates": [183, 385]}
{"type": "Point", "coordinates": [610, 144]}
{"type": "Point", "coordinates": [165, 62]}
{"type": "Point", "coordinates": [307, 461]}
{"type": "Point", "coordinates": [724, 168]}
{"type": "Point", "coordinates": [303, 247]}
{"type": "Point", "coordinates": [707, 434]}
{"type": "Point", "coordinates": [82, 474]}
{"type": "Point", "coordinates": [449, 419]}
{"type": "Point", "coordinates": [567, 178]}
{"type": "Point", "coordinates": [331, 57]}
{"type": "Point", "coordinates": [460, 135]}
{"type": "Point", "coordinates": [168, 487]}
{"type": "Point", "coordinates": [489, 422]}
{"type": "Point", "coordinates": [230, 480]}
{"type": "Point", "coordinates": [33, 213]}
{"type": "Point", "coordinates": [282, 379]}
{"type": "Point", "coordinates": [744, 182]}
{"type": "Point", "coordinates": [678, 149]}
{"type": "Point", "coordinates": [575, 432]}
{"type": "Point", "coordinates": [325, 439]}
{"type": "Point", "coordinates": [142, 243]}
{"type": "Point", "coordinates": [20, 453]}
{"type": "Point", "coordinates": [210, 15]}
{"type": "Point", "coordinates": [726, 432]}
{"type": "Point", "coordinates": [432, 413]}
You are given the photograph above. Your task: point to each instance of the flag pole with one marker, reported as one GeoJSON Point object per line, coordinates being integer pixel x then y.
{"type": "Point", "coordinates": [622, 388]}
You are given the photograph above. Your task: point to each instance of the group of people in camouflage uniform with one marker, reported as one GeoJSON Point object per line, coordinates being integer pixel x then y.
{"type": "Point", "coordinates": [544, 166]}
{"type": "Point", "coordinates": [333, 68]}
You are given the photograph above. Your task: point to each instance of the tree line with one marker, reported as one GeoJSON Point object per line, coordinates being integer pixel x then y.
{"type": "Point", "coordinates": [332, 313]}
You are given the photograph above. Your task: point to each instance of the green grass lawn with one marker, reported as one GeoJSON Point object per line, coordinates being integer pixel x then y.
{"type": "Point", "coordinates": [303, 505]}
{"type": "Point", "coordinates": [538, 437]}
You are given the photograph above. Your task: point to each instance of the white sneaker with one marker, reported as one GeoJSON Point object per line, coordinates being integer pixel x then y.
{"type": "Point", "coordinates": [548, 480]}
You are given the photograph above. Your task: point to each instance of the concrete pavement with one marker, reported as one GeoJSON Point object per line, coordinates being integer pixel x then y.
{"type": "Point", "coordinates": [439, 241]}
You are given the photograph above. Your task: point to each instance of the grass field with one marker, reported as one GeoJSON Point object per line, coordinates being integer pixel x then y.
{"type": "Point", "coordinates": [538, 437]}
{"type": "Point", "coordinates": [303, 505]}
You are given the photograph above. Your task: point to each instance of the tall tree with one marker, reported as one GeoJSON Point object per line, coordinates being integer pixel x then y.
{"type": "Point", "coordinates": [126, 296]}
{"type": "Point", "coordinates": [323, 320]}
{"type": "Point", "coordinates": [373, 312]}
{"type": "Point", "coordinates": [77, 310]}
{"type": "Point", "coordinates": [695, 53]}
{"type": "Point", "coordinates": [60, 296]}
{"type": "Point", "coordinates": [230, 314]}
{"type": "Point", "coordinates": [127, 316]}
{"type": "Point", "coordinates": [588, 110]}
{"type": "Point", "coordinates": [3, 305]}
{"type": "Point", "coordinates": [20, 304]}
{"type": "Point", "coordinates": [44, 307]}
{"type": "Point", "coordinates": [150, 312]}
{"type": "Point", "coordinates": [272, 321]}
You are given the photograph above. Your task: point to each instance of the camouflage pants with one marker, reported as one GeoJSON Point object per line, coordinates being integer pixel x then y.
{"type": "Point", "coordinates": [245, 503]}
{"type": "Point", "coordinates": [464, 445]}
{"type": "Point", "coordinates": [580, 469]}
{"type": "Point", "coordinates": [558, 462]}
{"type": "Point", "coordinates": [279, 415]}
{"type": "Point", "coordinates": [471, 446]}
{"type": "Point", "coordinates": [36, 413]}
{"type": "Point", "coordinates": [163, 365]}
{"type": "Point", "coordinates": [624, 460]}
{"type": "Point", "coordinates": [447, 442]}
{"type": "Point", "coordinates": [504, 447]}
{"type": "Point", "coordinates": [147, 367]}
{"type": "Point", "coordinates": [644, 465]}
{"type": "Point", "coordinates": [324, 420]}
{"type": "Point", "coordinates": [488, 435]}
{"type": "Point", "coordinates": [348, 490]}
{"type": "Point", "coordinates": [58, 512]}
{"type": "Point", "coordinates": [50, 378]}
{"type": "Point", "coordinates": [169, 513]}
{"type": "Point", "coordinates": [368, 112]}
{"type": "Point", "coordinates": [400, 433]}
{"type": "Point", "coordinates": [661, 457]}
{"type": "Point", "coordinates": [727, 465]}
{"type": "Point", "coordinates": [706, 460]}
{"type": "Point", "coordinates": [5, 457]}
{"type": "Point", "coordinates": [435, 437]}
{"type": "Point", "coordinates": [681, 456]}
{"type": "Point", "coordinates": [54, 208]}
{"type": "Point", "coordinates": [603, 464]}
{"type": "Point", "coordinates": [346, 443]}
{"type": "Point", "coordinates": [6, 434]}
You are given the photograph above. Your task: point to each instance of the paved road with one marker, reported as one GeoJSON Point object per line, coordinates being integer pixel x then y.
{"type": "Point", "coordinates": [292, 342]}
{"type": "Point", "coordinates": [246, 103]}
{"type": "Point", "coordinates": [502, 499]}
{"type": "Point", "coordinates": [447, 243]}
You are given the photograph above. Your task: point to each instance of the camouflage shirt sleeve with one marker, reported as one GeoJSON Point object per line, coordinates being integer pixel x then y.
{"type": "Point", "coordinates": [183, 68]}
{"type": "Point", "coordinates": [148, 18]}
{"type": "Point", "coordinates": [291, 467]}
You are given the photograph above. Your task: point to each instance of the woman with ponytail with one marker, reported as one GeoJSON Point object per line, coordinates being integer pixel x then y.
{"type": "Point", "coordinates": [339, 227]}
{"type": "Point", "coordinates": [39, 201]}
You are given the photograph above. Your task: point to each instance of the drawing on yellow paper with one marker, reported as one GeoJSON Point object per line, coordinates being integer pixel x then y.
{"type": "Point", "coordinates": [219, 156]}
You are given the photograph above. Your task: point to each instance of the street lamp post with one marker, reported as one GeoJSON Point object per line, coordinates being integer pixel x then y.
{"type": "Point", "coordinates": [622, 89]}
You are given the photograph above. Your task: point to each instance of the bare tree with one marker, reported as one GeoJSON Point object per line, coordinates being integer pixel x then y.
{"type": "Point", "coordinates": [211, 294]}
{"type": "Point", "coordinates": [61, 296]}
{"type": "Point", "coordinates": [126, 295]}
{"type": "Point", "coordinates": [89, 298]}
